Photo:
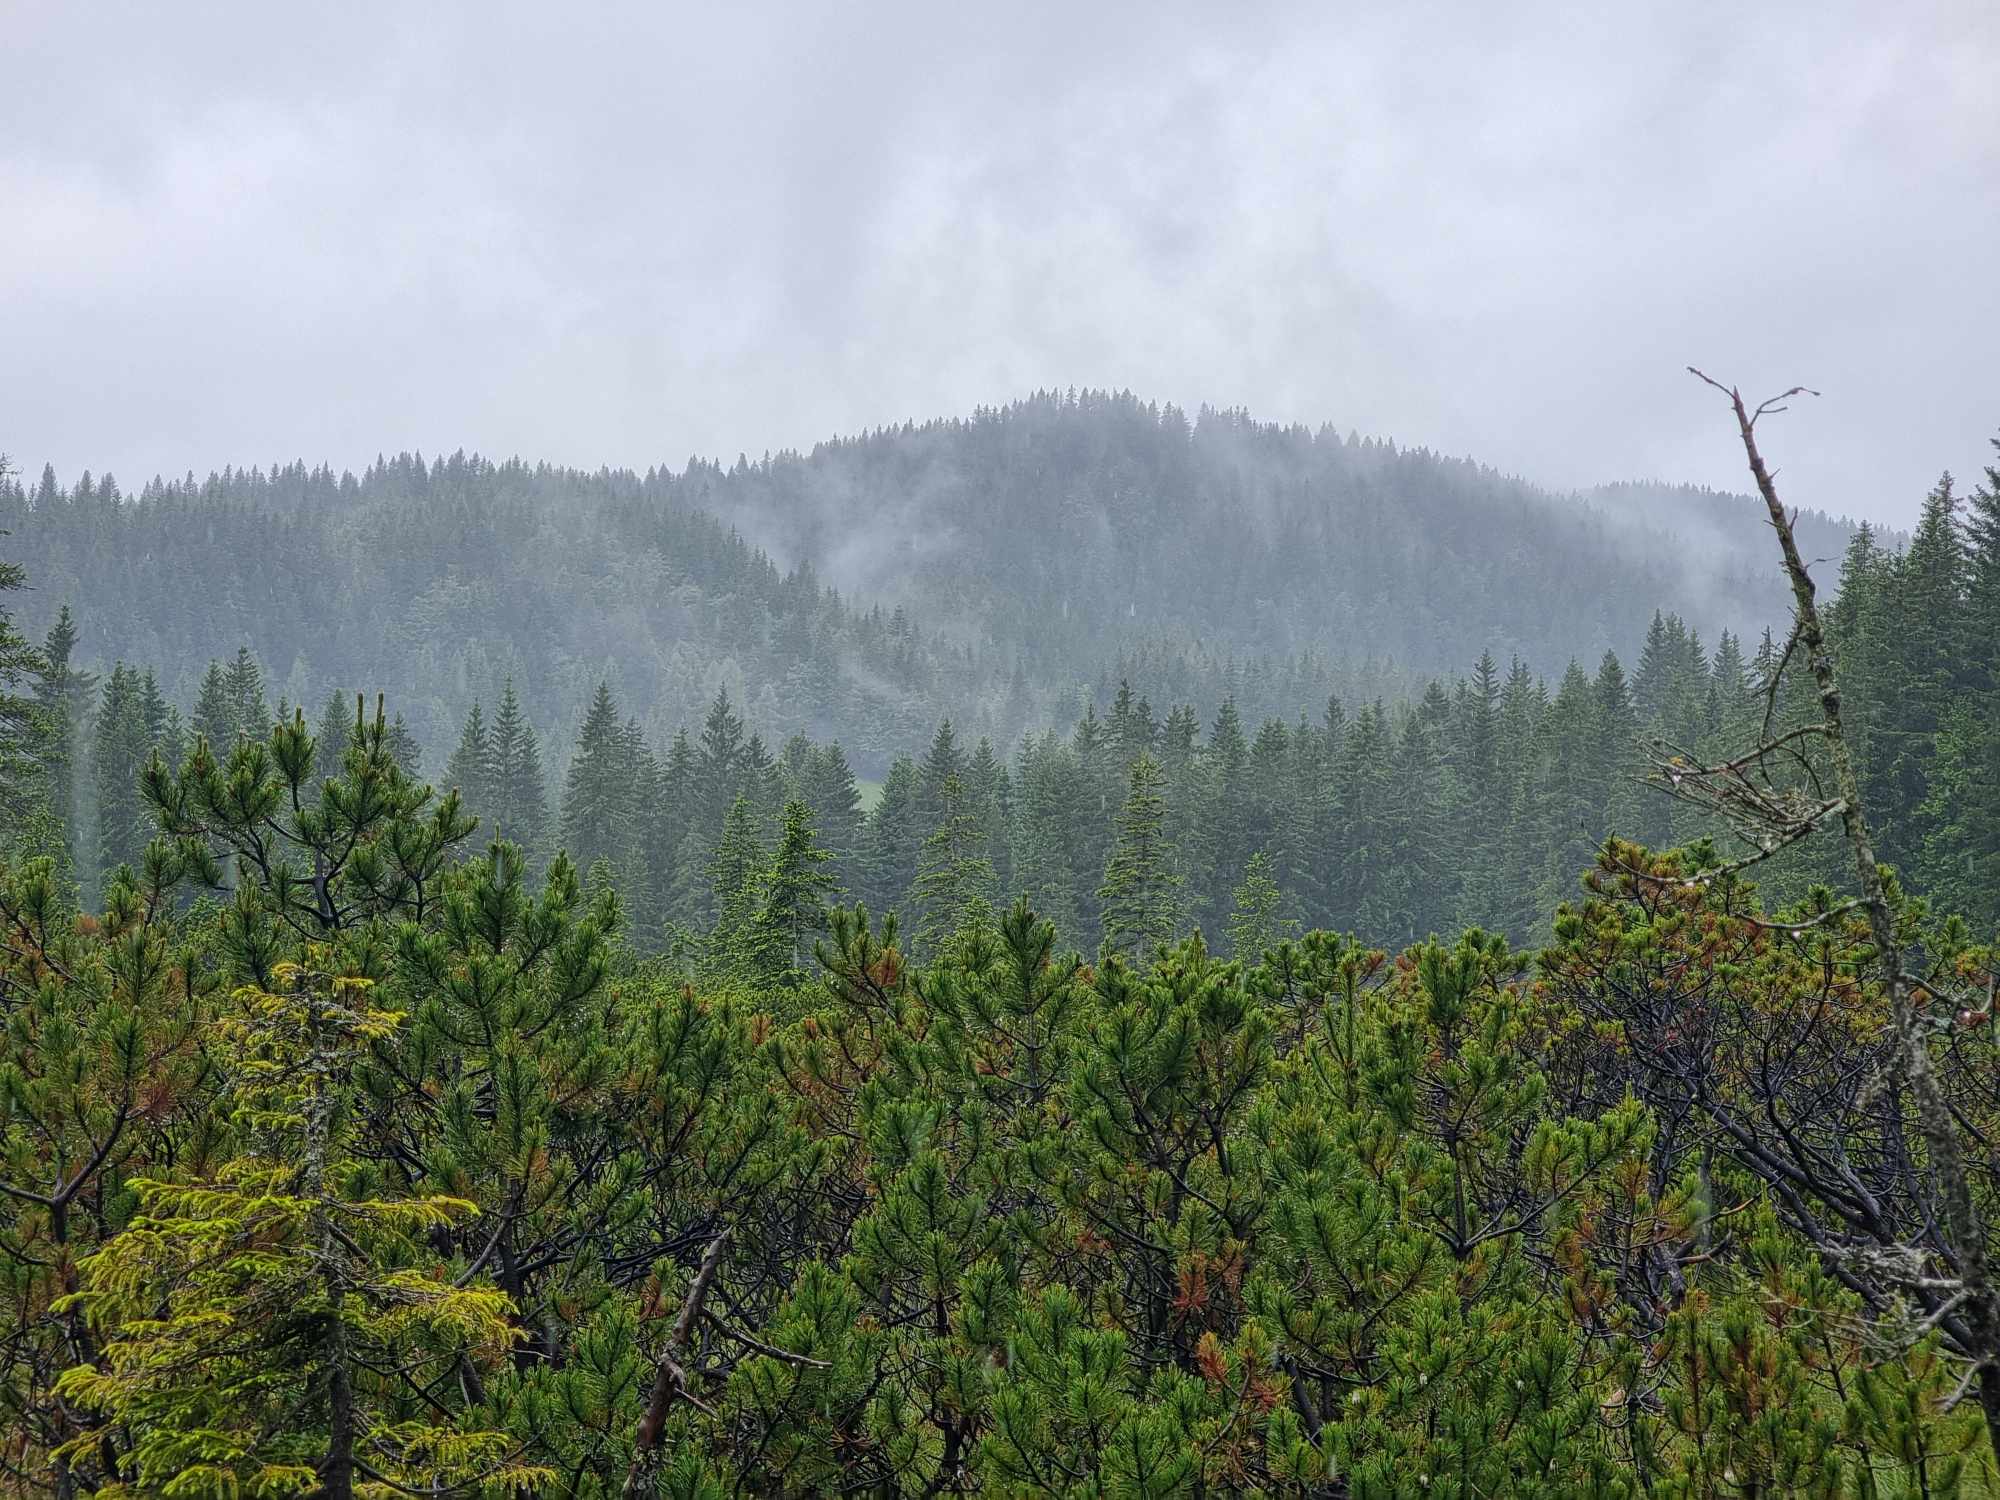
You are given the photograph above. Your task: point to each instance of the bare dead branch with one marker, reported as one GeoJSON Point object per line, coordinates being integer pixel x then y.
{"type": "Point", "coordinates": [1949, 1209]}
{"type": "Point", "coordinates": [670, 1380]}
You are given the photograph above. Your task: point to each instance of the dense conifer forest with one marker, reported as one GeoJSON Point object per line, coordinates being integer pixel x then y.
{"type": "Point", "coordinates": [1070, 953]}
{"type": "Point", "coordinates": [1001, 571]}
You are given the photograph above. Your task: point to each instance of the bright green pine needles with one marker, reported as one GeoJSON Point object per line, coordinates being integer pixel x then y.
{"type": "Point", "coordinates": [263, 1326]}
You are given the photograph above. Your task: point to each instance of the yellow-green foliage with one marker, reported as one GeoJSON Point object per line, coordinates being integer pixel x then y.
{"type": "Point", "coordinates": [430, 1187]}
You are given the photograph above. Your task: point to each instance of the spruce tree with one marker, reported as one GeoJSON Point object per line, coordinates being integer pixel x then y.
{"type": "Point", "coordinates": [122, 750]}
{"type": "Point", "coordinates": [990, 793]}
{"type": "Point", "coordinates": [1929, 657]}
{"type": "Point", "coordinates": [954, 885]}
{"type": "Point", "coordinates": [1141, 893]}
{"type": "Point", "coordinates": [796, 890]}
{"type": "Point", "coordinates": [941, 763]}
{"type": "Point", "coordinates": [736, 872]}
{"type": "Point", "coordinates": [404, 749]}
{"type": "Point", "coordinates": [763, 783]}
{"type": "Point", "coordinates": [1225, 815]}
{"type": "Point", "coordinates": [1960, 817]}
{"type": "Point", "coordinates": [831, 791]}
{"type": "Point", "coordinates": [244, 681]}
{"type": "Point", "coordinates": [1419, 890]}
{"type": "Point", "coordinates": [257, 1307]}
{"type": "Point", "coordinates": [718, 768]}
{"type": "Point", "coordinates": [1257, 923]}
{"type": "Point", "coordinates": [1044, 857]}
{"type": "Point", "coordinates": [1656, 666]}
{"type": "Point", "coordinates": [687, 884]}
{"type": "Point", "coordinates": [598, 809]}
{"type": "Point", "coordinates": [470, 768]}
{"type": "Point", "coordinates": [215, 714]}
{"type": "Point", "coordinates": [1358, 897]}
{"type": "Point", "coordinates": [520, 799]}
{"type": "Point", "coordinates": [64, 696]}
{"type": "Point", "coordinates": [22, 726]}
{"type": "Point", "coordinates": [649, 874]}
{"type": "Point", "coordinates": [1098, 788]}
{"type": "Point", "coordinates": [1982, 581]}
{"type": "Point", "coordinates": [336, 728]}
{"type": "Point", "coordinates": [895, 837]}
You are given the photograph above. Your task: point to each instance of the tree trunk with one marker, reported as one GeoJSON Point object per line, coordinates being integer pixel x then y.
{"type": "Point", "coordinates": [1964, 1234]}
{"type": "Point", "coordinates": [336, 1470]}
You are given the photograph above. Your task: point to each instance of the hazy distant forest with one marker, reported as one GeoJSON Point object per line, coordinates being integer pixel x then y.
{"type": "Point", "coordinates": [1074, 952]}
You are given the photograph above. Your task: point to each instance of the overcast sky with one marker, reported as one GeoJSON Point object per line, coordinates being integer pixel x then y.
{"type": "Point", "coordinates": [625, 234]}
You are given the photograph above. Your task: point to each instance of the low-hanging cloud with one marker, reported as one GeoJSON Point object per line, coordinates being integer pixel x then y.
{"type": "Point", "coordinates": [242, 234]}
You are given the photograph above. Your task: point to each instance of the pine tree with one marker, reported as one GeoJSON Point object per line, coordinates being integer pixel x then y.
{"type": "Point", "coordinates": [1141, 893]}
{"type": "Point", "coordinates": [312, 858]}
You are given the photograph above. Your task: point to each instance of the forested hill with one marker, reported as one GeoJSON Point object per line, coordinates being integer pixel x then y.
{"type": "Point", "coordinates": [1073, 524]}
{"type": "Point", "coordinates": [999, 569]}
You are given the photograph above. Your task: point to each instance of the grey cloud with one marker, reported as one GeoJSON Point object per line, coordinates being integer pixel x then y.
{"type": "Point", "coordinates": [243, 234]}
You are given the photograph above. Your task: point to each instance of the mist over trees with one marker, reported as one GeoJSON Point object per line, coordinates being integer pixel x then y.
{"type": "Point", "coordinates": [717, 1035]}
{"type": "Point", "coordinates": [1000, 571]}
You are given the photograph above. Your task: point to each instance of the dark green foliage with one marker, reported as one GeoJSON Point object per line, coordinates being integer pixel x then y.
{"type": "Point", "coordinates": [600, 803]}
{"type": "Point", "coordinates": [954, 889]}
{"type": "Point", "coordinates": [65, 698]}
{"type": "Point", "coordinates": [336, 728]}
{"type": "Point", "coordinates": [1313, 1221]}
{"type": "Point", "coordinates": [330, 1140]}
{"type": "Point", "coordinates": [1256, 921]}
{"type": "Point", "coordinates": [124, 744]}
{"type": "Point", "coordinates": [470, 769]}
{"type": "Point", "coordinates": [978, 569]}
{"type": "Point", "coordinates": [736, 873]}
{"type": "Point", "coordinates": [24, 731]}
{"type": "Point", "coordinates": [1140, 895]}
{"type": "Point", "coordinates": [795, 893]}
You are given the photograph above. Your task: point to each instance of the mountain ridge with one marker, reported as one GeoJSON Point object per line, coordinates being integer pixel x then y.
{"type": "Point", "coordinates": [997, 568]}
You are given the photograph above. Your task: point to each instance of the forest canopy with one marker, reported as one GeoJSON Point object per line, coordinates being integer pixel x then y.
{"type": "Point", "coordinates": [1265, 1076]}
